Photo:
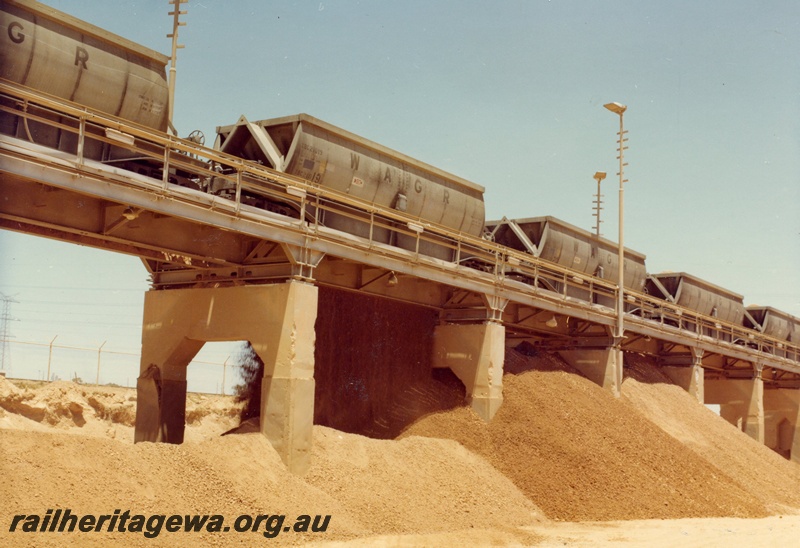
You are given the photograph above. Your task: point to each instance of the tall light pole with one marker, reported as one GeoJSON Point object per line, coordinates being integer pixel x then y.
{"type": "Point", "coordinates": [598, 202]}
{"type": "Point", "coordinates": [617, 108]}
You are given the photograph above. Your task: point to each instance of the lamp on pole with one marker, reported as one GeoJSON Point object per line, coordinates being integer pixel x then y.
{"type": "Point", "coordinates": [619, 109]}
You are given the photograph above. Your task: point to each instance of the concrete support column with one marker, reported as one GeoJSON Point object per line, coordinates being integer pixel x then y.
{"type": "Point", "coordinates": [287, 390]}
{"type": "Point", "coordinates": [475, 353]}
{"type": "Point", "coordinates": [741, 403]}
{"type": "Point", "coordinates": [794, 451]}
{"type": "Point", "coordinates": [161, 386]}
{"type": "Point", "coordinates": [687, 372]}
{"type": "Point", "coordinates": [278, 320]}
{"type": "Point", "coordinates": [602, 366]}
{"type": "Point", "coordinates": [782, 422]}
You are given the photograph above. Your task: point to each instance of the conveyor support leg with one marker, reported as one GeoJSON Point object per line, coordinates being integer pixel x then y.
{"type": "Point", "coordinates": [688, 374]}
{"type": "Point", "coordinates": [781, 420]}
{"type": "Point", "coordinates": [741, 403]}
{"type": "Point", "coordinates": [603, 366]}
{"type": "Point", "coordinates": [475, 353]}
{"type": "Point", "coordinates": [277, 319]}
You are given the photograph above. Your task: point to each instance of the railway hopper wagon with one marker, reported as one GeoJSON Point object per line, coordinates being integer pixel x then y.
{"type": "Point", "coordinates": [775, 323]}
{"type": "Point", "coordinates": [699, 296]}
{"type": "Point", "coordinates": [55, 53]}
{"type": "Point", "coordinates": [571, 247]}
{"type": "Point", "coordinates": [331, 157]}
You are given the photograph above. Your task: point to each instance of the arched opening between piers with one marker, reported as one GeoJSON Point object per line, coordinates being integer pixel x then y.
{"type": "Point", "coordinates": [278, 320]}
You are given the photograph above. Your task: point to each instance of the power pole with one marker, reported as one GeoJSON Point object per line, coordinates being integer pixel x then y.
{"type": "Point", "coordinates": [5, 331]}
{"type": "Point", "coordinates": [176, 23]}
{"type": "Point", "coordinates": [598, 202]}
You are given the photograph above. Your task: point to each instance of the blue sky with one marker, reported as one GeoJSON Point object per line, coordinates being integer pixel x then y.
{"type": "Point", "coordinates": [507, 94]}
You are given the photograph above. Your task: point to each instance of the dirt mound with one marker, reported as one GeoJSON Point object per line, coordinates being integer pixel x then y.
{"type": "Point", "coordinates": [105, 411]}
{"type": "Point", "coordinates": [55, 404]}
{"type": "Point", "coordinates": [581, 454]}
{"type": "Point", "coordinates": [767, 475]}
{"type": "Point", "coordinates": [416, 484]}
{"type": "Point", "coordinates": [559, 446]}
{"type": "Point", "coordinates": [369, 487]}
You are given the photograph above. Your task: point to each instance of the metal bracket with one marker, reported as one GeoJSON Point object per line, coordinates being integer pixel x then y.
{"type": "Point", "coordinates": [304, 261]}
{"type": "Point", "coordinates": [495, 306]}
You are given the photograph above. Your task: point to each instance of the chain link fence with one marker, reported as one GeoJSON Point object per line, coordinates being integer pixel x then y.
{"type": "Point", "coordinates": [106, 366]}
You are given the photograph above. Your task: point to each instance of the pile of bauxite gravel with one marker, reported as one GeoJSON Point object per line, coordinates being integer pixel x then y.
{"type": "Point", "coordinates": [580, 454]}
{"type": "Point", "coordinates": [560, 447]}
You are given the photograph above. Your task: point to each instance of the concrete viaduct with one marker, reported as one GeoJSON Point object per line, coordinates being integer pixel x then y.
{"type": "Point", "coordinates": [222, 270]}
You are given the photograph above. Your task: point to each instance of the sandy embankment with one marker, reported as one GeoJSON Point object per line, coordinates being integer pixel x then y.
{"type": "Point", "coordinates": [562, 463]}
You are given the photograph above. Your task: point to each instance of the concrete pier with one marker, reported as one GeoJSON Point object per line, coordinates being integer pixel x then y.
{"type": "Point", "coordinates": [782, 422]}
{"type": "Point", "coordinates": [278, 320]}
{"type": "Point", "coordinates": [475, 353]}
{"type": "Point", "coordinates": [741, 402]}
{"type": "Point", "coordinates": [686, 371]}
{"type": "Point", "coordinates": [601, 365]}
